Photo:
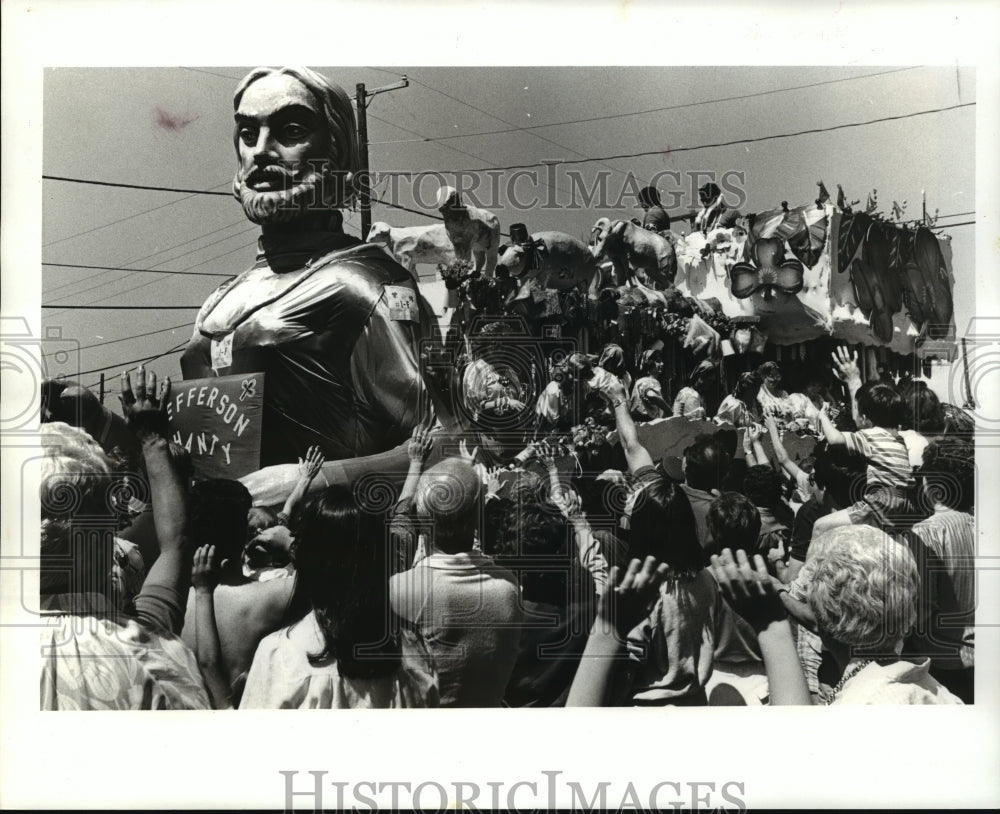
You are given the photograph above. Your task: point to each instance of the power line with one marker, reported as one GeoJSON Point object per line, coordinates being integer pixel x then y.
{"type": "Point", "coordinates": [641, 154]}
{"type": "Point", "coordinates": [137, 271]}
{"type": "Point", "coordinates": [446, 146]}
{"type": "Point", "coordinates": [175, 349]}
{"type": "Point", "coordinates": [187, 242]}
{"type": "Point", "coordinates": [636, 112]}
{"type": "Point", "coordinates": [157, 279]}
{"type": "Point", "coordinates": [721, 143]}
{"type": "Point", "coordinates": [510, 124]}
{"type": "Point", "coordinates": [416, 211]}
{"type": "Point", "coordinates": [136, 186]}
{"type": "Point", "coordinates": [127, 338]}
{"type": "Point", "coordinates": [211, 73]}
{"type": "Point", "coordinates": [91, 307]}
{"type": "Point", "coordinates": [121, 280]}
{"type": "Point", "coordinates": [119, 220]}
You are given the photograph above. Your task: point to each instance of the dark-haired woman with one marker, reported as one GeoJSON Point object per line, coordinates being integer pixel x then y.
{"type": "Point", "coordinates": [672, 649]}
{"type": "Point", "coordinates": [348, 652]}
{"type": "Point", "coordinates": [740, 408]}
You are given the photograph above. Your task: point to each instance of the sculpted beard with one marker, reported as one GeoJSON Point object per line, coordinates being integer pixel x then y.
{"type": "Point", "coordinates": [303, 192]}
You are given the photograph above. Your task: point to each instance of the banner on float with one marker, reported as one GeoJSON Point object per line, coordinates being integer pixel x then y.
{"type": "Point", "coordinates": [218, 421]}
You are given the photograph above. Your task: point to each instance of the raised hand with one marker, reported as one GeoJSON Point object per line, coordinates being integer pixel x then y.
{"type": "Point", "coordinates": [845, 365]}
{"type": "Point", "coordinates": [420, 443]}
{"type": "Point", "coordinates": [547, 455]}
{"type": "Point", "coordinates": [204, 574]}
{"type": "Point", "coordinates": [464, 454]}
{"type": "Point", "coordinates": [611, 388]}
{"type": "Point", "coordinates": [309, 468]}
{"type": "Point", "coordinates": [566, 499]}
{"type": "Point", "coordinates": [755, 431]}
{"type": "Point", "coordinates": [633, 596]}
{"type": "Point", "coordinates": [770, 421]}
{"type": "Point", "coordinates": [492, 481]}
{"type": "Point", "coordinates": [145, 413]}
{"type": "Point", "coordinates": [748, 588]}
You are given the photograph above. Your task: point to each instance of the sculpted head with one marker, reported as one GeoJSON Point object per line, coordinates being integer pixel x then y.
{"type": "Point", "coordinates": [513, 261]}
{"type": "Point", "coordinates": [379, 234]}
{"type": "Point", "coordinates": [296, 144]}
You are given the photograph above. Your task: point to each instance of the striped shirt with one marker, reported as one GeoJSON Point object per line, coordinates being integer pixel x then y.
{"type": "Point", "coordinates": [945, 548]}
{"type": "Point", "coordinates": [888, 459]}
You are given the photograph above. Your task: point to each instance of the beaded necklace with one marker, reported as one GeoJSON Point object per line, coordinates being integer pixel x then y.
{"type": "Point", "coordinates": [849, 674]}
{"type": "Point", "coordinates": [857, 668]}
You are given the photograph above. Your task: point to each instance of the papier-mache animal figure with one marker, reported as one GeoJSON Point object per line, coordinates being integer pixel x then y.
{"type": "Point", "coordinates": [474, 232]}
{"type": "Point", "coordinates": [410, 245]}
{"type": "Point", "coordinates": [552, 259]}
{"type": "Point", "coordinates": [635, 251]}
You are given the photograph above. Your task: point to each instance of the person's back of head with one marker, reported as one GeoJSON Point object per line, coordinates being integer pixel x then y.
{"type": "Point", "coordinates": [260, 518]}
{"type": "Point", "coordinates": [881, 403]}
{"type": "Point", "coordinates": [649, 197]}
{"type": "Point", "coordinates": [729, 439]}
{"type": "Point", "coordinates": [705, 463]}
{"type": "Point", "coordinates": [449, 495]}
{"type": "Point", "coordinates": [217, 515]}
{"type": "Point", "coordinates": [746, 387]}
{"type": "Point", "coordinates": [734, 522]}
{"type": "Point", "coordinates": [77, 484]}
{"type": "Point", "coordinates": [923, 408]}
{"type": "Point", "coordinates": [341, 567]}
{"type": "Point", "coordinates": [948, 473]}
{"type": "Point", "coordinates": [840, 474]}
{"type": "Point", "coordinates": [863, 588]}
{"type": "Point", "coordinates": [613, 359]}
{"type": "Point", "coordinates": [762, 486]}
{"type": "Point", "coordinates": [662, 525]}
{"type": "Point", "coordinates": [533, 541]}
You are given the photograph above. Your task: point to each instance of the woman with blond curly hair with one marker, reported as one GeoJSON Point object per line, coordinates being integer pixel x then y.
{"type": "Point", "coordinates": [863, 589]}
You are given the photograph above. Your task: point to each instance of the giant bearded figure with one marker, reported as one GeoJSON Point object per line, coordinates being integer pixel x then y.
{"type": "Point", "coordinates": [334, 324]}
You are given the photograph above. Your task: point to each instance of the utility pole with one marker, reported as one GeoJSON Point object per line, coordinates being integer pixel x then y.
{"type": "Point", "coordinates": [364, 192]}
{"type": "Point", "coordinates": [102, 388]}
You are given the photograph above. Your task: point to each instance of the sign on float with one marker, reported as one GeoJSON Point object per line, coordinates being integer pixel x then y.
{"type": "Point", "coordinates": [218, 421]}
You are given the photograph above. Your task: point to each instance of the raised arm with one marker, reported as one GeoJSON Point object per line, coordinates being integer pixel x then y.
{"type": "Point", "coordinates": [208, 648]}
{"type": "Point", "coordinates": [750, 591]}
{"type": "Point", "coordinates": [635, 453]}
{"type": "Point", "coordinates": [833, 436]}
{"type": "Point", "coordinates": [566, 499]}
{"type": "Point", "coordinates": [755, 432]}
{"type": "Point", "coordinates": [308, 469]}
{"type": "Point", "coordinates": [162, 599]}
{"type": "Point", "coordinates": [618, 611]}
{"type": "Point", "coordinates": [845, 368]}
{"type": "Point", "coordinates": [794, 471]}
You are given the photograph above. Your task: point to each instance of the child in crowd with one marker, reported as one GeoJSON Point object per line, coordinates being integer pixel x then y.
{"type": "Point", "coordinates": [878, 410]}
{"type": "Point", "coordinates": [738, 676]}
{"type": "Point", "coordinates": [267, 552]}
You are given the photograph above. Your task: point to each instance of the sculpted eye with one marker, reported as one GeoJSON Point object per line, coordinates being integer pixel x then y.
{"type": "Point", "coordinates": [248, 135]}
{"type": "Point", "coordinates": [294, 132]}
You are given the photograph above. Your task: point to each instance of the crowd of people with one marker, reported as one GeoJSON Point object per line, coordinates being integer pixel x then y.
{"type": "Point", "coordinates": [578, 571]}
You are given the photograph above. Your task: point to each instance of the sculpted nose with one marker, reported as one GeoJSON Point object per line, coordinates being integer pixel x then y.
{"type": "Point", "coordinates": [264, 151]}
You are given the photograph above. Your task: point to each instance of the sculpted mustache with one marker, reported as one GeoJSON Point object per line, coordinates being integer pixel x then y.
{"type": "Point", "coordinates": [276, 171]}
{"type": "Point", "coordinates": [271, 172]}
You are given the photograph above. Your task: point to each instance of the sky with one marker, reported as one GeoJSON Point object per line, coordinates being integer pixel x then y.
{"type": "Point", "coordinates": [172, 127]}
